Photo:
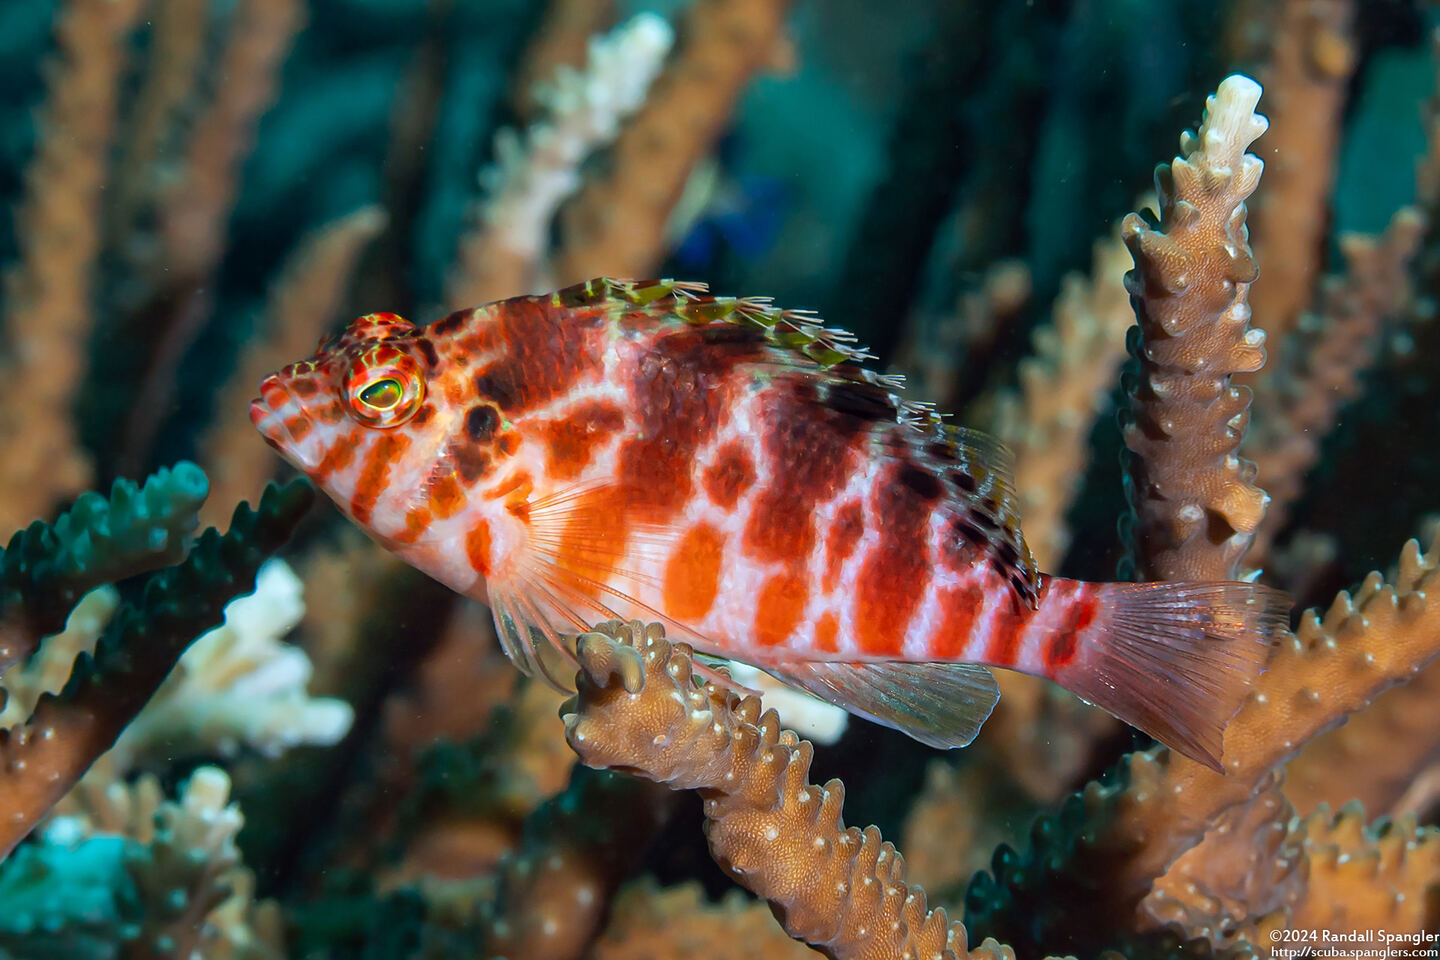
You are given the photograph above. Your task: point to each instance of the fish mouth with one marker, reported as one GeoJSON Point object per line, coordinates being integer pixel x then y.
{"type": "Point", "coordinates": [270, 412]}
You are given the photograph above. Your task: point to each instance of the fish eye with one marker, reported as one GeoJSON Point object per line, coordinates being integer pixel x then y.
{"type": "Point", "coordinates": [383, 395]}
{"type": "Point", "coordinates": [386, 387]}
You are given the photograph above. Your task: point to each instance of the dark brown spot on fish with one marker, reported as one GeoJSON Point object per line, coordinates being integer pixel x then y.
{"type": "Point", "coordinates": [303, 387]}
{"type": "Point", "coordinates": [968, 531]}
{"type": "Point", "coordinates": [448, 325]}
{"type": "Point", "coordinates": [480, 423]}
{"type": "Point", "coordinates": [846, 529]}
{"type": "Point", "coordinates": [963, 481]}
{"type": "Point", "coordinates": [546, 352]}
{"type": "Point", "coordinates": [863, 401]}
{"type": "Point", "coordinates": [498, 385]}
{"type": "Point", "coordinates": [472, 462]}
{"type": "Point", "coordinates": [423, 415]}
{"type": "Point", "coordinates": [1065, 642]}
{"type": "Point", "coordinates": [1061, 649]}
{"type": "Point", "coordinates": [681, 389]}
{"type": "Point", "coordinates": [920, 481]}
{"type": "Point", "coordinates": [432, 359]}
{"type": "Point", "coordinates": [985, 521]}
{"type": "Point", "coordinates": [815, 461]}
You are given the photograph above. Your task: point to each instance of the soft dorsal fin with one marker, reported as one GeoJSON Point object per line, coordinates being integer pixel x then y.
{"type": "Point", "coordinates": [940, 704]}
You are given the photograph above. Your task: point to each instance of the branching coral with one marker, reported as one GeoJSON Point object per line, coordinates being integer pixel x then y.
{"type": "Point", "coordinates": [41, 758]}
{"type": "Point", "coordinates": [239, 684]}
{"type": "Point", "coordinates": [841, 888]}
{"type": "Point", "coordinates": [1196, 505]}
{"type": "Point", "coordinates": [616, 226]}
{"type": "Point", "coordinates": [47, 568]}
{"type": "Point", "coordinates": [504, 256]}
{"type": "Point", "coordinates": [47, 306]}
{"type": "Point", "coordinates": [131, 874]}
{"type": "Point", "coordinates": [442, 827]}
{"type": "Point", "coordinates": [1131, 829]}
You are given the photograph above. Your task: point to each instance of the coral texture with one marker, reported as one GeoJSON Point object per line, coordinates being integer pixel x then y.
{"type": "Point", "coordinates": [196, 192]}
{"type": "Point", "coordinates": [837, 887]}
{"type": "Point", "coordinates": [1196, 505]}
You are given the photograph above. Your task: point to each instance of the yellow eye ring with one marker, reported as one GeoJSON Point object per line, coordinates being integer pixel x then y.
{"type": "Point", "coordinates": [386, 388]}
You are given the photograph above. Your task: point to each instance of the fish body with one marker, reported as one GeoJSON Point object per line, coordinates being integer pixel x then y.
{"type": "Point", "coordinates": [642, 450]}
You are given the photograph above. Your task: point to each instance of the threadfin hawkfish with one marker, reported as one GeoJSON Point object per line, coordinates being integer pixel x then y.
{"type": "Point", "coordinates": [645, 451]}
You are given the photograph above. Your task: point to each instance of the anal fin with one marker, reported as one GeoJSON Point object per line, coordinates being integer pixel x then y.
{"type": "Point", "coordinates": [940, 704]}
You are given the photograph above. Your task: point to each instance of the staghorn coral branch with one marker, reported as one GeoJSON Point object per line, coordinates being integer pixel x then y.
{"type": "Point", "coordinates": [48, 314]}
{"type": "Point", "coordinates": [1194, 503]}
{"type": "Point", "coordinates": [1374, 756]}
{"type": "Point", "coordinates": [616, 226]}
{"type": "Point", "coordinates": [1306, 80]}
{"type": "Point", "coordinates": [1305, 873]}
{"type": "Point", "coordinates": [1330, 667]}
{"type": "Point", "coordinates": [22, 685]}
{"type": "Point", "coordinates": [843, 889]}
{"type": "Point", "coordinates": [554, 890]}
{"type": "Point", "coordinates": [47, 568]}
{"type": "Point", "coordinates": [1063, 388]}
{"type": "Point", "coordinates": [178, 31]}
{"type": "Point", "coordinates": [562, 41]}
{"type": "Point", "coordinates": [502, 256]}
{"type": "Point", "coordinates": [1132, 828]}
{"type": "Point", "coordinates": [43, 758]}
{"type": "Point", "coordinates": [1380, 877]}
{"type": "Point", "coordinates": [677, 923]}
{"type": "Point", "coordinates": [1252, 862]}
{"type": "Point", "coordinates": [1295, 411]}
{"type": "Point", "coordinates": [194, 215]}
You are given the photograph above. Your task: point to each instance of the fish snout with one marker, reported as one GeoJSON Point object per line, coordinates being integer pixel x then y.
{"type": "Point", "coordinates": [281, 419]}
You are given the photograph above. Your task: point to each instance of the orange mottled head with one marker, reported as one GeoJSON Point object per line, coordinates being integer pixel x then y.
{"type": "Point", "coordinates": [356, 412]}
{"type": "Point", "coordinates": [373, 419]}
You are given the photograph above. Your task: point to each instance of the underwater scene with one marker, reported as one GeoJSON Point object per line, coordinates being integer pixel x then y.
{"type": "Point", "coordinates": [719, 479]}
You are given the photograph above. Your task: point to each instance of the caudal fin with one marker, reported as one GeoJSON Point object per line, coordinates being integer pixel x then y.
{"type": "Point", "coordinates": [1178, 658]}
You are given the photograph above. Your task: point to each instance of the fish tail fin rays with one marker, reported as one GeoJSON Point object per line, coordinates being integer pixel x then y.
{"type": "Point", "coordinates": [940, 704]}
{"type": "Point", "coordinates": [1176, 660]}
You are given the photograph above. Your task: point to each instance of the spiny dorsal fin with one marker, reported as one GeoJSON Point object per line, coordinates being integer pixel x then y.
{"type": "Point", "coordinates": [796, 331]}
